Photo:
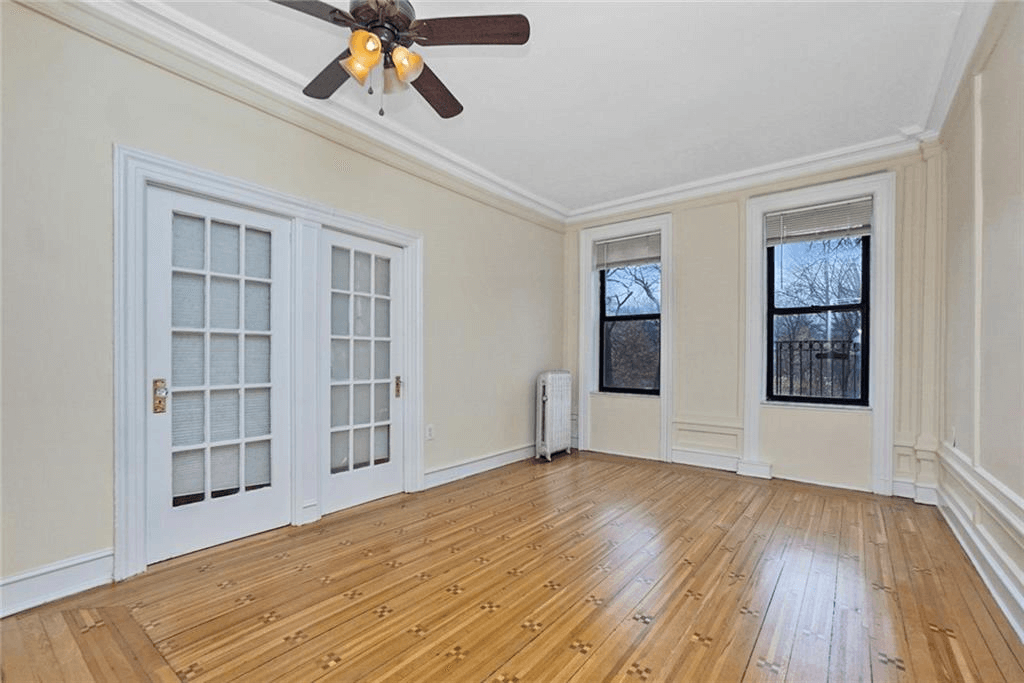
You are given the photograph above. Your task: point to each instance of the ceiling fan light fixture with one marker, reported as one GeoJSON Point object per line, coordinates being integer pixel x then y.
{"type": "Point", "coordinates": [366, 54]}
{"type": "Point", "coordinates": [408, 64]}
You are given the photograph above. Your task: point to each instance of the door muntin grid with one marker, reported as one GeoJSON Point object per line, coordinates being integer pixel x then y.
{"type": "Point", "coordinates": [360, 360]}
{"type": "Point", "coordinates": [221, 343]}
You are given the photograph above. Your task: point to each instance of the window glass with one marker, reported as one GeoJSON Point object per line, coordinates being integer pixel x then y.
{"type": "Point", "coordinates": [818, 272]}
{"type": "Point", "coordinates": [630, 328]}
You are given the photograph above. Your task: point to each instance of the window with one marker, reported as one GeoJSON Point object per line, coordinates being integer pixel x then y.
{"type": "Point", "coordinates": [630, 314]}
{"type": "Point", "coordinates": [818, 296]}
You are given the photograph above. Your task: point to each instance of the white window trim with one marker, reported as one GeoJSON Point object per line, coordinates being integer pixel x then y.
{"type": "Point", "coordinates": [134, 171]}
{"type": "Point", "coordinates": [587, 383]}
{"type": "Point", "coordinates": [880, 389]}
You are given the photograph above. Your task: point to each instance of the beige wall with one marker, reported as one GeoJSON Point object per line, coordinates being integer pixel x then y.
{"type": "Point", "coordinates": [709, 238]}
{"type": "Point", "coordinates": [982, 452]}
{"type": "Point", "coordinates": [625, 425]}
{"type": "Point", "coordinates": [492, 290]}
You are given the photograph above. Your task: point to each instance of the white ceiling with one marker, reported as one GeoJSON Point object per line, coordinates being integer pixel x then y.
{"type": "Point", "coordinates": [614, 102]}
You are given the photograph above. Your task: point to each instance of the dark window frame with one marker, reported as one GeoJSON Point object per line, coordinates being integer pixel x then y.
{"type": "Point", "coordinates": [864, 307]}
{"type": "Point", "coordinates": [603, 318]}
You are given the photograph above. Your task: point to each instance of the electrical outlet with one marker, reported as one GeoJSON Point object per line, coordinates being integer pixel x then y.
{"type": "Point", "coordinates": [430, 432]}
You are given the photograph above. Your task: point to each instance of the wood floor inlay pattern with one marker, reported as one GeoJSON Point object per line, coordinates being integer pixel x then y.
{"type": "Point", "coordinates": [588, 568]}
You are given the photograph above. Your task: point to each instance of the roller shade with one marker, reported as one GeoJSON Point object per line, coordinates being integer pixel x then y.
{"type": "Point", "coordinates": [634, 250]}
{"type": "Point", "coordinates": [848, 218]}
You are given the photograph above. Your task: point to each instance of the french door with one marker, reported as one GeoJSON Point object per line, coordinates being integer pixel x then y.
{"type": "Point", "coordinates": [360, 375]}
{"type": "Point", "coordinates": [217, 301]}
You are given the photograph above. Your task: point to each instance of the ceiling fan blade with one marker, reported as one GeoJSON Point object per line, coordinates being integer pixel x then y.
{"type": "Point", "coordinates": [495, 29]}
{"type": "Point", "coordinates": [320, 10]}
{"type": "Point", "coordinates": [328, 80]}
{"type": "Point", "coordinates": [437, 94]}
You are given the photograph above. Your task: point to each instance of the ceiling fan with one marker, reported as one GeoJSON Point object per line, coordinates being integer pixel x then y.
{"type": "Point", "coordinates": [384, 30]}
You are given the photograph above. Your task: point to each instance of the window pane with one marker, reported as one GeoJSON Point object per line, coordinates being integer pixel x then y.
{"type": "Point", "coordinates": [817, 355]}
{"type": "Point", "coordinates": [632, 354]}
{"type": "Point", "coordinates": [632, 290]}
{"type": "Point", "coordinates": [818, 272]}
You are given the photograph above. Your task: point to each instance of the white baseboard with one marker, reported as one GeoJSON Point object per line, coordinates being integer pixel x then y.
{"type": "Point", "coordinates": [468, 468]}
{"type": "Point", "coordinates": [926, 494]}
{"type": "Point", "coordinates": [752, 468]}
{"type": "Point", "coordinates": [829, 484]}
{"type": "Point", "coordinates": [988, 521]}
{"type": "Point", "coordinates": [715, 461]}
{"type": "Point", "coordinates": [53, 581]}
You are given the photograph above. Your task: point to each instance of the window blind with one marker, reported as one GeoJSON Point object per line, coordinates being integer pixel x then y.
{"type": "Point", "coordinates": [634, 250]}
{"type": "Point", "coordinates": [847, 218]}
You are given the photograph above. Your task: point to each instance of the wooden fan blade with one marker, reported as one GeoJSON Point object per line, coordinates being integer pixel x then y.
{"type": "Point", "coordinates": [320, 10]}
{"type": "Point", "coordinates": [437, 94]}
{"type": "Point", "coordinates": [495, 29]}
{"type": "Point", "coordinates": [328, 80]}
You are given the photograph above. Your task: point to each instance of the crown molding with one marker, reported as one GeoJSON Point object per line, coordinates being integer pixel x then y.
{"type": "Point", "coordinates": [969, 29]}
{"type": "Point", "coordinates": [161, 35]}
{"type": "Point", "coordinates": [156, 32]}
{"type": "Point", "coordinates": [909, 140]}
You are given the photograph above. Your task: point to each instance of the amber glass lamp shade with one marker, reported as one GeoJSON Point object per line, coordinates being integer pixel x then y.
{"type": "Point", "coordinates": [408, 65]}
{"type": "Point", "coordinates": [366, 54]}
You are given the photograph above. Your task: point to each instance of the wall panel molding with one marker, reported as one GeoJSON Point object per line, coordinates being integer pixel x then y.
{"type": "Point", "coordinates": [988, 520]}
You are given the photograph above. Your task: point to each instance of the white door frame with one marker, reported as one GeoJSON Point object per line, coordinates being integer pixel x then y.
{"type": "Point", "coordinates": [134, 171]}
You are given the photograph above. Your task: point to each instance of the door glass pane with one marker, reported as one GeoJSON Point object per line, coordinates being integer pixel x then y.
{"type": "Point", "coordinates": [340, 259]}
{"type": "Point", "coordinates": [381, 444]}
{"type": "Point", "coordinates": [223, 415]}
{"type": "Point", "coordinates": [188, 357]}
{"type": "Point", "coordinates": [381, 318]}
{"type": "Point", "coordinates": [362, 272]}
{"type": "Point", "coordinates": [382, 402]}
{"type": "Point", "coordinates": [382, 276]}
{"type": "Point", "coordinates": [382, 360]}
{"type": "Point", "coordinates": [339, 314]}
{"type": "Point", "coordinates": [361, 317]}
{"type": "Point", "coordinates": [223, 470]}
{"type": "Point", "coordinates": [257, 464]}
{"type": "Point", "coordinates": [188, 300]}
{"type": "Point", "coordinates": [360, 448]}
{"type": "Point", "coordinates": [257, 253]}
{"type": "Point", "coordinates": [339, 406]}
{"type": "Point", "coordinates": [257, 306]}
{"type": "Point", "coordinates": [361, 404]}
{"type": "Point", "coordinates": [361, 364]}
{"type": "Point", "coordinates": [223, 248]}
{"type": "Point", "coordinates": [224, 303]}
{"type": "Point", "coordinates": [257, 359]}
{"type": "Point", "coordinates": [257, 412]}
{"type": "Point", "coordinates": [339, 452]}
{"type": "Point", "coordinates": [188, 242]}
{"type": "Point", "coordinates": [223, 359]}
{"type": "Point", "coordinates": [187, 418]}
{"type": "Point", "coordinates": [340, 351]}
{"type": "Point", "coordinates": [188, 477]}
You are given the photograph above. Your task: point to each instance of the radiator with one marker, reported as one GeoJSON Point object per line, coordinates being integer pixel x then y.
{"type": "Point", "coordinates": [554, 389]}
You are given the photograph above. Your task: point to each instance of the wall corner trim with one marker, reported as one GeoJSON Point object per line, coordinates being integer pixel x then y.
{"type": "Point", "coordinates": [56, 580]}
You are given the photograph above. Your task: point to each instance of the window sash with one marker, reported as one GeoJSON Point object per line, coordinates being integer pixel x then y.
{"type": "Point", "coordinates": [602, 320]}
{"type": "Point", "coordinates": [863, 307]}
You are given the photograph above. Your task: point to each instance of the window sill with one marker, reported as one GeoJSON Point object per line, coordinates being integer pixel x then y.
{"type": "Point", "coordinates": [623, 394]}
{"type": "Point", "coordinates": [821, 407]}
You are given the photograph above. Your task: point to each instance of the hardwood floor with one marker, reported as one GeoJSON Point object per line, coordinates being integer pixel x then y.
{"type": "Point", "coordinates": [590, 568]}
